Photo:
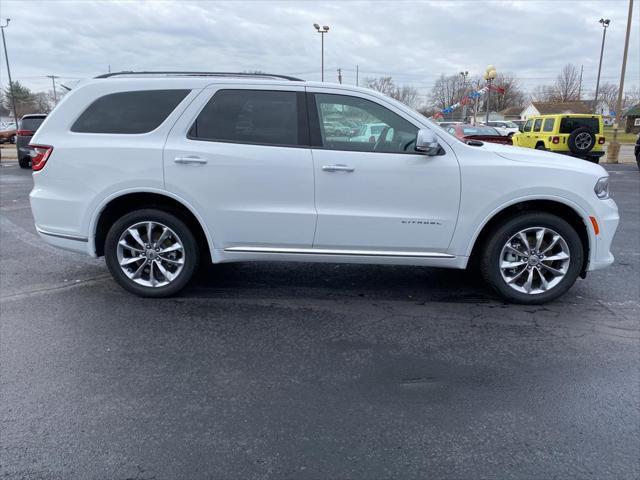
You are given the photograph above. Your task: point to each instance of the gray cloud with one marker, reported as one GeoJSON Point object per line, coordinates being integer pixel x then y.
{"type": "Point", "coordinates": [412, 41]}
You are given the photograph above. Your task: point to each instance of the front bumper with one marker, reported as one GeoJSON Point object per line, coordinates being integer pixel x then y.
{"type": "Point", "coordinates": [608, 218]}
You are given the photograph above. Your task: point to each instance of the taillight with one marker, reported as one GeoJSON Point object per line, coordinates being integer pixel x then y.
{"type": "Point", "coordinates": [25, 133]}
{"type": "Point", "coordinates": [601, 141]}
{"type": "Point", "coordinates": [39, 156]}
{"type": "Point", "coordinates": [555, 140]}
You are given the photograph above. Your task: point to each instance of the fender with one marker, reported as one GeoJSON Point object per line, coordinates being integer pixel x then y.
{"type": "Point", "coordinates": [527, 198]}
{"type": "Point", "coordinates": [93, 223]}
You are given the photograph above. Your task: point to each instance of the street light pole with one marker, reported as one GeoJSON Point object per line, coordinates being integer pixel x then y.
{"type": "Point", "coordinates": [464, 91]}
{"type": "Point", "coordinates": [605, 23]}
{"type": "Point", "coordinates": [6, 57]}
{"type": "Point", "coordinates": [321, 31]}
{"type": "Point", "coordinates": [614, 146]}
{"type": "Point", "coordinates": [489, 74]}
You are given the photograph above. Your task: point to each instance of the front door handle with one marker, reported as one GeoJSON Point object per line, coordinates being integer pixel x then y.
{"type": "Point", "coordinates": [187, 160]}
{"type": "Point", "coordinates": [337, 168]}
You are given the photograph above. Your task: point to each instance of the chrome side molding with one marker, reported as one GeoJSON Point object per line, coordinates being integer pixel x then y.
{"type": "Point", "coordinates": [326, 251]}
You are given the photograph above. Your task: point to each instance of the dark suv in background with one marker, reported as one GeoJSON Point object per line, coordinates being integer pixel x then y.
{"type": "Point", "coordinates": [28, 126]}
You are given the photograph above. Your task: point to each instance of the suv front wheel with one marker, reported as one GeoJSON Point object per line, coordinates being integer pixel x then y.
{"type": "Point", "coordinates": [151, 253]}
{"type": "Point", "coordinates": [532, 258]}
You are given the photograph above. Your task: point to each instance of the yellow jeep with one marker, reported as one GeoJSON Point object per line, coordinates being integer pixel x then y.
{"type": "Point", "coordinates": [578, 135]}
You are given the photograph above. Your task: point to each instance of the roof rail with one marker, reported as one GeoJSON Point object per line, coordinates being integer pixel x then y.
{"type": "Point", "coordinates": [202, 74]}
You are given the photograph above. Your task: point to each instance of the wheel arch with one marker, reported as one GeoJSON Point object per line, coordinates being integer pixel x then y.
{"type": "Point", "coordinates": [563, 210]}
{"type": "Point", "coordinates": [125, 202]}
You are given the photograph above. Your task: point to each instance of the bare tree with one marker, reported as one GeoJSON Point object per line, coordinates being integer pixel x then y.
{"type": "Point", "coordinates": [608, 93]}
{"type": "Point", "coordinates": [511, 94]}
{"type": "Point", "coordinates": [543, 93]}
{"type": "Point", "coordinates": [567, 86]}
{"type": "Point", "coordinates": [406, 94]}
{"type": "Point", "coordinates": [382, 84]}
{"type": "Point", "coordinates": [446, 91]}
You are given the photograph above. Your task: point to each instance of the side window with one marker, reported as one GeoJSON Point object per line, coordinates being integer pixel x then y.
{"type": "Point", "coordinates": [263, 117]}
{"type": "Point", "coordinates": [357, 124]}
{"type": "Point", "coordinates": [548, 125]}
{"type": "Point", "coordinates": [537, 125]}
{"type": "Point", "coordinates": [527, 126]}
{"type": "Point", "coordinates": [129, 112]}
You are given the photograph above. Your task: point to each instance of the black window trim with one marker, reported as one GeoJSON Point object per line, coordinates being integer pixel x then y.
{"type": "Point", "coordinates": [73, 122]}
{"type": "Point", "coordinates": [302, 120]}
{"type": "Point", "coordinates": [316, 135]}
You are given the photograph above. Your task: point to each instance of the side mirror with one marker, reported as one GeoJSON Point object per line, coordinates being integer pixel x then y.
{"type": "Point", "coordinates": [427, 142]}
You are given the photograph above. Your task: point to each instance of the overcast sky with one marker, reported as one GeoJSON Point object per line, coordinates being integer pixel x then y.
{"type": "Point", "coordinates": [414, 42]}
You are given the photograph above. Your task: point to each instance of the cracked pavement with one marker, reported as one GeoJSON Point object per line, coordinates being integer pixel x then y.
{"type": "Point", "coordinates": [313, 371]}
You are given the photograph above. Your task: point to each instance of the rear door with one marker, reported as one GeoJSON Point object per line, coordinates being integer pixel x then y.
{"type": "Point", "coordinates": [240, 157]}
{"type": "Point", "coordinates": [378, 194]}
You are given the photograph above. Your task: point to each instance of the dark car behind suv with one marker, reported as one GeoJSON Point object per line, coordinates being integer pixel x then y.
{"type": "Point", "coordinates": [28, 126]}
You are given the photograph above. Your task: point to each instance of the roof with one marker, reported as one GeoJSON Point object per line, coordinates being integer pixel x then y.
{"type": "Point", "coordinates": [512, 111]}
{"type": "Point", "coordinates": [550, 108]}
{"type": "Point", "coordinates": [633, 111]}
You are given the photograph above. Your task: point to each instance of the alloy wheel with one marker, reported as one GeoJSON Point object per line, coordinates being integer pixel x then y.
{"type": "Point", "coordinates": [534, 260]}
{"type": "Point", "coordinates": [150, 254]}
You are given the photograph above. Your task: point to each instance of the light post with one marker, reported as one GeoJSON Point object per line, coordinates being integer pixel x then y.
{"type": "Point", "coordinates": [489, 74]}
{"type": "Point", "coordinates": [321, 31]}
{"type": "Point", "coordinates": [614, 147]}
{"type": "Point", "coordinates": [6, 57]}
{"type": "Point", "coordinates": [464, 91]}
{"type": "Point", "coordinates": [605, 24]}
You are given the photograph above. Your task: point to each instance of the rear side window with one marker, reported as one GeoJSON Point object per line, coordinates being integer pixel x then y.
{"type": "Point", "coordinates": [129, 112]}
{"type": "Point", "coordinates": [31, 123]}
{"type": "Point", "coordinates": [569, 124]}
{"type": "Point", "coordinates": [548, 125]}
{"type": "Point", "coordinates": [262, 117]}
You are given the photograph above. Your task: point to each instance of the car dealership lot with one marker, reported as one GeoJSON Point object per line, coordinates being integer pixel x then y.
{"type": "Point", "coordinates": [313, 370]}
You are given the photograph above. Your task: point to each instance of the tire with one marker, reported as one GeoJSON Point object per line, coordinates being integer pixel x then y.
{"type": "Point", "coordinates": [12, 140]}
{"type": "Point", "coordinates": [495, 254]}
{"type": "Point", "coordinates": [182, 263]}
{"type": "Point", "coordinates": [540, 146]}
{"type": "Point", "coordinates": [581, 141]}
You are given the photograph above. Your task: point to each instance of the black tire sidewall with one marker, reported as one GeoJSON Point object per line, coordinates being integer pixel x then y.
{"type": "Point", "coordinates": [572, 140]}
{"type": "Point", "coordinates": [191, 250]}
{"type": "Point", "coordinates": [24, 163]}
{"type": "Point", "coordinates": [490, 256]}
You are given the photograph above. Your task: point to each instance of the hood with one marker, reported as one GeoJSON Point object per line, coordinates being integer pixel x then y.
{"type": "Point", "coordinates": [541, 157]}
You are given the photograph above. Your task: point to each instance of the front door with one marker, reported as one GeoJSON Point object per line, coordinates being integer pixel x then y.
{"type": "Point", "coordinates": [375, 192]}
{"type": "Point", "coordinates": [241, 159]}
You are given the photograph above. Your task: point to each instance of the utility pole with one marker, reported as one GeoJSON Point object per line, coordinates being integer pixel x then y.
{"type": "Point", "coordinates": [489, 74]}
{"type": "Point", "coordinates": [321, 31]}
{"type": "Point", "coordinates": [605, 24]}
{"type": "Point", "coordinates": [6, 57]}
{"type": "Point", "coordinates": [53, 82]}
{"type": "Point", "coordinates": [614, 146]}
{"type": "Point", "coordinates": [357, 75]}
{"type": "Point", "coordinates": [339, 75]}
{"type": "Point", "coordinates": [580, 84]}
{"type": "Point", "coordinates": [464, 92]}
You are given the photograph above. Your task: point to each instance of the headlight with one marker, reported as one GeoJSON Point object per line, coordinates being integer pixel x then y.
{"type": "Point", "coordinates": [602, 188]}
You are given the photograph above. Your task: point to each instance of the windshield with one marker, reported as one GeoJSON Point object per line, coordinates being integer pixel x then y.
{"type": "Point", "coordinates": [511, 124]}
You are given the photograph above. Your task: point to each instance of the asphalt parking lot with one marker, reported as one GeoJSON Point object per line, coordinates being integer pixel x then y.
{"type": "Point", "coordinates": [313, 371]}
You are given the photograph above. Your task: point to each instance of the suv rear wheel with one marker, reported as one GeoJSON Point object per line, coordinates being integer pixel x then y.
{"type": "Point", "coordinates": [151, 253]}
{"type": "Point", "coordinates": [532, 258]}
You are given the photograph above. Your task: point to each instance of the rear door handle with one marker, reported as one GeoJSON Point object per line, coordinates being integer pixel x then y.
{"type": "Point", "coordinates": [187, 160]}
{"type": "Point", "coordinates": [337, 168]}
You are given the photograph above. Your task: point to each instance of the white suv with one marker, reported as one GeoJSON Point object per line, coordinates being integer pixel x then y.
{"type": "Point", "coordinates": [159, 172]}
{"type": "Point", "coordinates": [504, 127]}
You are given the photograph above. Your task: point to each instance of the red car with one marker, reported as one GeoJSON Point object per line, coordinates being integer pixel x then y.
{"type": "Point", "coordinates": [466, 132]}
